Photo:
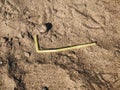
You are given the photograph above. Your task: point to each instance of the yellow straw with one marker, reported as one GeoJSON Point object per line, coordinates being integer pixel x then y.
{"type": "Point", "coordinates": [59, 49]}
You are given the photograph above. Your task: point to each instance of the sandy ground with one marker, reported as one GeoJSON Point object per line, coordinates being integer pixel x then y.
{"type": "Point", "coordinates": [73, 22]}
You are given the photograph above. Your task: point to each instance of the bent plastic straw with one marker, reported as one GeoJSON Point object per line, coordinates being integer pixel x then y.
{"type": "Point", "coordinates": [59, 49]}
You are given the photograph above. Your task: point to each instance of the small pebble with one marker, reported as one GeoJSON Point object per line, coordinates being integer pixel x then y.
{"type": "Point", "coordinates": [41, 28]}
{"type": "Point", "coordinates": [27, 54]}
{"type": "Point", "coordinates": [1, 62]}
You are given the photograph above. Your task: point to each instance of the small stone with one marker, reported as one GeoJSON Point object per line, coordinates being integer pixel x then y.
{"type": "Point", "coordinates": [41, 28]}
{"type": "Point", "coordinates": [27, 54]}
{"type": "Point", "coordinates": [19, 35]}
{"type": "Point", "coordinates": [1, 62]}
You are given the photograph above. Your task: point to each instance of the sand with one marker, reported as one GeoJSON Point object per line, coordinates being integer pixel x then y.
{"type": "Point", "coordinates": [70, 22]}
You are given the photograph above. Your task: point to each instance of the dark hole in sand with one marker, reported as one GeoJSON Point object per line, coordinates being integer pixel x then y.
{"type": "Point", "coordinates": [45, 88]}
{"type": "Point", "coordinates": [6, 39]}
{"type": "Point", "coordinates": [49, 26]}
